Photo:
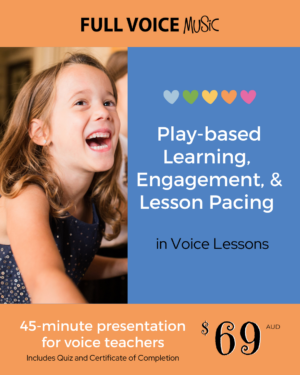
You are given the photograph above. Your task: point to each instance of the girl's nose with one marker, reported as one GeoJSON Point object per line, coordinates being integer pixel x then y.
{"type": "Point", "coordinates": [102, 113]}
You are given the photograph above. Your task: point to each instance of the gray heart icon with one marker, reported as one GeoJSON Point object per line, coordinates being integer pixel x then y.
{"type": "Point", "coordinates": [171, 97]}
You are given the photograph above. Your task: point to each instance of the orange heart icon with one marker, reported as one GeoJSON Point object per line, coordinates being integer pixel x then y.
{"type": "Point", "coordinates": [228, 96]}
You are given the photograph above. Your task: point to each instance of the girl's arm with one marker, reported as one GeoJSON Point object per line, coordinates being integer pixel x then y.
{"type": "Point", "coordinates": [104, 268]}
{"type": "Point", "coordinates": [35, 251]}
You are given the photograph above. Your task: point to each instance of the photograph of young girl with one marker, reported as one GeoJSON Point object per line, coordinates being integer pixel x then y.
{"type": "Point", "coordinates": [60, 169]}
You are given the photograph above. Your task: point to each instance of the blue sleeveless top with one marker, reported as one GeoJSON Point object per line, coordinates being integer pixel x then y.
{"type": "Point", "coordinates": [77, 242]}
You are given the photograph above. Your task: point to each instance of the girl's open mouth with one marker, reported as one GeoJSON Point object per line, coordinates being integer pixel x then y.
{"type": "Point", "coordinates": [99, 140]}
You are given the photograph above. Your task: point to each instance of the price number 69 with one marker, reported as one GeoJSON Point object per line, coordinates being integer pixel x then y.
{"type": "Point", "coordinates": [244, 348]}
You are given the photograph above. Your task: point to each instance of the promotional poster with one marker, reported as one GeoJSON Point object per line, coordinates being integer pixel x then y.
{"type": "Point", "coordinates": [149, 187]}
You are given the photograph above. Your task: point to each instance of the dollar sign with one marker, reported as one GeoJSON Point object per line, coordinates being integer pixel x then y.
{"type": "Point", "coordinates": [205, 325]}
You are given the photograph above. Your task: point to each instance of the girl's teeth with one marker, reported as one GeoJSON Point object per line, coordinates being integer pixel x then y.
{"type": "Point", "coordinates": [98, 147]}
{"type": "Point", "coordinates": [99, 135]}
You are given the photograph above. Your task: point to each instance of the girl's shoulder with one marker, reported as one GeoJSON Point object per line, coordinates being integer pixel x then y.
{"type": "Point", "coordinates": [30, 202]}
{"type": "Point", "coordinates": [31, 196]}
{"type": "Point", "coordinates": [4, 240]}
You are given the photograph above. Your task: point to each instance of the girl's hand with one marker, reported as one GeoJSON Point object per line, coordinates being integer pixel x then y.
{"type": "Point", "coordinates": [104, 268]}
{"type": "Point", "coordinates": [35, 251]}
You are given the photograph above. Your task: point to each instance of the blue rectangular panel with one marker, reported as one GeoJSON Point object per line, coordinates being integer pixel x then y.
{"type": "Point", "coordinates": [254, 273]}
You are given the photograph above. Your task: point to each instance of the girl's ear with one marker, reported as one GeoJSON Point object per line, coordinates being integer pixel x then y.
{"type": "Point", "coordinates": [37, 133]}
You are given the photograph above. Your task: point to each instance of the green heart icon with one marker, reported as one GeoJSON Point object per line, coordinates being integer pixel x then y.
{"type": "Point", "coordinates": [190, 97]}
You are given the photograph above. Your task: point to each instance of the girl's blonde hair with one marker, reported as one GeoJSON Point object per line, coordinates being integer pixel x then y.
{"type": "Point", "coordinates": [23, 162]}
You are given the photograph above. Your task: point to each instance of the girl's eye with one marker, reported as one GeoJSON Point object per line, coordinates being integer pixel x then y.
{"type": "Point", "coordinates": [109, 103]}
{"type": "Point", "coordinates": [80, 102]}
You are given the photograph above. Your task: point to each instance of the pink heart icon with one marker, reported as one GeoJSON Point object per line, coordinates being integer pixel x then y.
{"type": "Point", "coordinates": [248, 97]}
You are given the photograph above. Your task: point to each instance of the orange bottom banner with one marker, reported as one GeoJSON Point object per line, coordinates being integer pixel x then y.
{"type": "Point", "coordinates": [206, 339]}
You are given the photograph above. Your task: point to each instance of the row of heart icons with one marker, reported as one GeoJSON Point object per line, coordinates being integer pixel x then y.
{"type": "Point", "coordinates": [209, 97]}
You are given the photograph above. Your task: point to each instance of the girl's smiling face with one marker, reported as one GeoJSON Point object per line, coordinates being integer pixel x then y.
{"type": "Point", "coordinates": [84, 122]}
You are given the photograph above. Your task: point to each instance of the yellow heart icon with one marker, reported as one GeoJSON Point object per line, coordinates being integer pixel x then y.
{"type": "Point", "coordinates": [209, 97]}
